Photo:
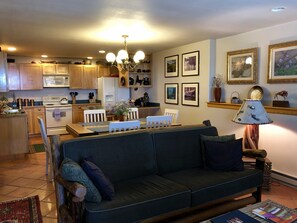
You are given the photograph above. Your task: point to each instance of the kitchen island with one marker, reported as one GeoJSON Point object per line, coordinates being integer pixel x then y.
{"type": "Point", "coordinates": [13, 135]}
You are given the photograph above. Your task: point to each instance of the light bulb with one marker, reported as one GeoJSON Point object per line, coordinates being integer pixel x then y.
{"type": "Point", "coordinates": [119, 61]}
{"type": "Point", "coordinates": [140, 55]}
{"type": "Point", "coordinates": [122, 54]}
{"type": "Point", "coordinates": [110, 57]}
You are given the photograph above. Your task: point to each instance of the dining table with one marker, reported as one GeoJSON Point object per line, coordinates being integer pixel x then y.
{"type": "Point", "coordinates": [95, 128]}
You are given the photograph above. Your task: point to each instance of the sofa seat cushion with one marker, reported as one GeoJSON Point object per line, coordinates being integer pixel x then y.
{"type": "Point", "coordinates": [208, 185]}
{"type": "Point", "coordinates": [140, 198]}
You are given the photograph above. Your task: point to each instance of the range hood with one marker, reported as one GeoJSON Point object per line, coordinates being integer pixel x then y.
{"type": "Point", "coordinates": [3, 72]}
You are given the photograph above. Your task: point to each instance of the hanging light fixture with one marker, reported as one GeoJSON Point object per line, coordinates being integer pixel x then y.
{"type": "Point", "coordinates": [122, 60]}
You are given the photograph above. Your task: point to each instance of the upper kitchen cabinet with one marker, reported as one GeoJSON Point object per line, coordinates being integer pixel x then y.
{"type": "Point", "coordinates": [90, 76]}
{"type": "Point", "coordinates": [104, 71]}
{"type": "Point", "coordinates": [13, 77]}
{"type": "Point", "coordinates": [31, 76]}
{"type": "Point", "coordinates": [57, 69]}
{"type": "Point", "coordinates": [83, 76]}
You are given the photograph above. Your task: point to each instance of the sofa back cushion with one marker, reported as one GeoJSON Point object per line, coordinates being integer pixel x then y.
{"type": "Point", "coordinates": [120, 156]}
{"type": "Point", "coordinates": [180, 148]}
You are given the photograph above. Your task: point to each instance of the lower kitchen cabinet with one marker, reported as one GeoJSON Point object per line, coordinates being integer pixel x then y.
{"type": "Point", "coordinates": [78, 111]}
{"type": "Point", "coordinates": [32, 114]}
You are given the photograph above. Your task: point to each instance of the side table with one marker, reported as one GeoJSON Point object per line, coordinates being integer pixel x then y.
{"type": "Point", "coordinates": [248, 162]}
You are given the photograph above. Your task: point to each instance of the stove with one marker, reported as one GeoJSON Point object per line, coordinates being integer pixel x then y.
{"type": "Point", "coordinates": [58, 114]}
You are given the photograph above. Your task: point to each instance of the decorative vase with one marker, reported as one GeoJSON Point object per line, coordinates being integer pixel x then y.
{"type": "Point", "coordinates": [217, 94]}
{"type": "Point", "coordinates": [122, 118]}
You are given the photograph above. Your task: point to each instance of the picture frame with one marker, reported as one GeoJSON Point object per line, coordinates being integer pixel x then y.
{"type": "Point", "coordinates": [282, 66]}
{"type": "Point", "coordinates": [191, 63]}
{"type": "Point", "coordinates": [190, 94]}
{"type": "Point", "coordinates": [171, 93]}
{"type": "Point", "coordinates": [171, 66]}
{"type": "Point", "coordinates": [242, 66]}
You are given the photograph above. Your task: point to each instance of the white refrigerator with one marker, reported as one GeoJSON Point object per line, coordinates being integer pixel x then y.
{"type": "Point", "coordinates": [109, 92]}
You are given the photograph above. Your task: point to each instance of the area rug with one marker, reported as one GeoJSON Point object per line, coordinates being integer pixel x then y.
{"type": "Point", "coordinates": [36, 148]}
{"type": "Point", "coordinates": [25, 210]}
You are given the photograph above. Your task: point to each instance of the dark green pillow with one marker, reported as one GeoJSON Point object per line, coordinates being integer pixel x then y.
{"type": "Point", "coordinates": [224, 156]}
{"type": "Point", "coordinates": [71, 171]}
{"type": "Point", "coordinates": [224, 138]}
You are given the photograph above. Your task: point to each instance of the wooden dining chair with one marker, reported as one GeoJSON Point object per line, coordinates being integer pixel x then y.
{"type": "Point", "coordinates": [47, 148]}
{"type": "Point", "coordinates": [173, 113]}
{"type": "Point", "coordinates": [95, 115]}
{"type": "Point", "coordinates": [158, 121]}
{"type": "Point", "coordinates": [124, 126]}
{"type": "Point", "coordinates": [133, 114]}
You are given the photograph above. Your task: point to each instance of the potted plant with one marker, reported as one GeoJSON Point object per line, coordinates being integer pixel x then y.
{"type": "Point", "coordinates": [121, 110]}
{"type": "Point", "coordinates": [218, 81]}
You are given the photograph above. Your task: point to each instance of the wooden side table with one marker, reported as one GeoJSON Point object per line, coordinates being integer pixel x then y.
{"type": "Point", "coordinates": [267, 171]}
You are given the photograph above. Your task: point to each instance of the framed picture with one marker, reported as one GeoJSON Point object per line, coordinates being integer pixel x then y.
{"type": "Point", "coordinates": [190, 94]}
{"type": "Point", "coordinates": [190, 63]}
{"type": "Point", "coordinates": [282, 67]}
{"type": "Point", "coordinates": [171, 93]}
{"type": "Point", "coordinates": [171, 66]}
{"type": "Point", "coordinates": [242, 66]}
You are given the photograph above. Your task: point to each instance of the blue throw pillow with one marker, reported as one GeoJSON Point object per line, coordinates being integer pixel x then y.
{"type": "Point", "coordinates": [71, 171]}
{"type": "Point", "coordinates": [102, 183]}
{"type": "Point", "coordinates": [225, 156]}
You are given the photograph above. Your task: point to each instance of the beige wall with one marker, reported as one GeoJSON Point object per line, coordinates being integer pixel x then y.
{"type": "Point", "coordinates": [279, 138]}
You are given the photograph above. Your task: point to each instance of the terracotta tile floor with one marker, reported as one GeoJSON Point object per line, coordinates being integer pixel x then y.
{"type": "Point", "coordinates": [26, 177]}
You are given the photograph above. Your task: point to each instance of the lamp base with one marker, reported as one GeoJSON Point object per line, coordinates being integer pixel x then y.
{"type": "Point", "coordinates": [251, 137]}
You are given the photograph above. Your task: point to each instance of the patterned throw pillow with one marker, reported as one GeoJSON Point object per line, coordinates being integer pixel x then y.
{"type": "Point", "coordinates": [102, 183]}
{"type": "Point", "coordinates": [71, 171]}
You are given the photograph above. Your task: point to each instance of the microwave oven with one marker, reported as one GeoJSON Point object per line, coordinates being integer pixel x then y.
{"type": "Point", "coordinates": [56, 81]}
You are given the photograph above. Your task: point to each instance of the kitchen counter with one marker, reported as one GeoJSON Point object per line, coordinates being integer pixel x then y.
{"type": "Point", "coordinates": [14, 140]}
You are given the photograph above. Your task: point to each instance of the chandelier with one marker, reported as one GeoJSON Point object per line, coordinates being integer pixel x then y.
{"type": "Point", "coordinates": [122, 60]}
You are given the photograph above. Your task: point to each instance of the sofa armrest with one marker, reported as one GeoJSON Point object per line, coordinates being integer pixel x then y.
{"type": "Point", "coordinates": [77, 190]}
{"type": "Point", "coordinates": [254, 153]}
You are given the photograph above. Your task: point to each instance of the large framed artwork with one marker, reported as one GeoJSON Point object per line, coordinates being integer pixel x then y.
{"type": "Point", "coordinates": [282, 66]}
{"type": "Point", "coordinates": [242, 66]}
{"type": "Point", "coordinates": [171, 66]}
{"type": "Point", "coordinates": [190, 94]}
{"type": "Point", "coordinates": [171, 93]}
{"type": "Point", "coordinates": [190, 63]}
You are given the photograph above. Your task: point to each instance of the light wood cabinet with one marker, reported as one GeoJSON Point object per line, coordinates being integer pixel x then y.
{"type": "Point", "coordinates": [90, 76]}
{"type": "Point", "coordinates": [57, 69]}
{"type": "Point", "coordinates": [32, 114]}
{"type": "Point", "coordinates": [76, 76]}
{"type": "Point", "coordinates": [14, 140]}
{"type": "Point", "coordinates": [104, 71]}
{"type": "Point", "coordinates": [31, 77]}
{"type": "Point", "coordinates": [13, 76]}
{"type": "Point", "coordinates": [83, 76]}
{"type": "Point", "coordinates": [78, 111]}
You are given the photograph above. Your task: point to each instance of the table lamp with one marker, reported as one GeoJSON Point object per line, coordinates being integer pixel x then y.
{"type": "Point", "coordinates": [252, 114]}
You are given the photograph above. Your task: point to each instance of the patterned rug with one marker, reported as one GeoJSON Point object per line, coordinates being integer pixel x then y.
{"type": "Point", "coordinates": [26, 210]}
{"type": "Point", "coordinates": [36, 148]}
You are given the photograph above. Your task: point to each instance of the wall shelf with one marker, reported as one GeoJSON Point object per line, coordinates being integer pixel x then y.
{"type": "Point", "coordinates": [269, 109]}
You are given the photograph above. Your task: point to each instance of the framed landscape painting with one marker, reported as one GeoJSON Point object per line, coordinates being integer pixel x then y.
{"type": "Point", "coordinates": [282, 67]}
{"type": "Point", "coordinates": [171, 93]}
{"type": "Point", "coordinates": [242, 66]}
{"type": "Point", "coordinates": [190, 94]}
{"type": "Point", "coordinates": [171, 66]}
{"type": "Point", "coordinates": [190, 64]}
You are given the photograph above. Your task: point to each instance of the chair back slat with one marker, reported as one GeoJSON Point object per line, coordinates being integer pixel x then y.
{"type": "Point", "coordinates": [158, 121]}
{"type": "Point", "coordinates": [95, 115]}
{"type": "Point", "coordinates": [124, 126]}
{"type": "Point", "coordinates": [173, 113]}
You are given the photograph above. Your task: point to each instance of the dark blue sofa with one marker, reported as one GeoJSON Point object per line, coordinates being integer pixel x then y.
{"type": "Point", "coordinates": [153, 172]}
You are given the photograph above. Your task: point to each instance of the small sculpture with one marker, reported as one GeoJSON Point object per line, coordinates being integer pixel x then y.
{"type": "Point", "coordinates": [281, 103]}
{"type": "Point", "coordinates": [283, 94]}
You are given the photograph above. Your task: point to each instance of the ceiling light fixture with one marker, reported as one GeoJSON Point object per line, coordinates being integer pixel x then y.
{"type": "Point", "coordinates": [11, 48]}
{"type": "Point", "coordinates": [44, 56]}
{"type": "Point", "coordinates": [278, 9]}
{"type": "Point", "coordinates": [122, 60]}
{"type": "Point", "coordinates": [101, 51]}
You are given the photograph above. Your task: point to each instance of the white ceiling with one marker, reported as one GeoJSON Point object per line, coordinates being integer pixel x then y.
{"type": "Point", "coordinates": [79, 28]}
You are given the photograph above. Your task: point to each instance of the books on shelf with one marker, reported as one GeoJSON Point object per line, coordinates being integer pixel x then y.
{"type": "Point", "coordinates": [234, 217]}
{"type": "Point", "coordinates": [275, 213]}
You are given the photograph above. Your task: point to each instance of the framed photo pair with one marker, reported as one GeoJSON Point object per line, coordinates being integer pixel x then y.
{"type": "Point", "coordinates": [242, 66]}
{"type": "Point", "coordinates": [282, 67]}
